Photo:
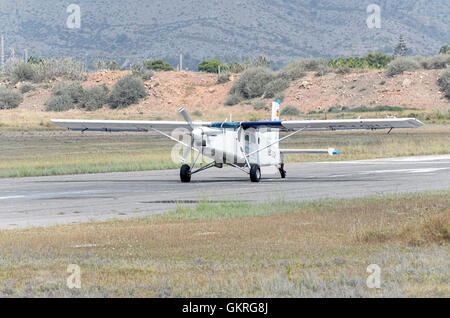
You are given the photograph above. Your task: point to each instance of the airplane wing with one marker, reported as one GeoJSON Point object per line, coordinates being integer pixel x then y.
{"type": "Point", "coordinates": [337, 124]}
{"type": "Point", "coordinates": [124, 125]}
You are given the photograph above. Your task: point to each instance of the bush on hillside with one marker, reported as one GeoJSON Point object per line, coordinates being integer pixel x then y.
{"type": "Point", "coordinates": [444, 81]}
{"type": "Point", "coordinates": [372, 60]}
{"type": "Point", "coordinates": [66, 68]}
{"type": "Point", "coordinates": [211, 66]}
{"type": "Point", "coordinates": [158, 65]}
{"type": "Point", "coordinates": [127, 91]}
{"type": "Point", "coordinates": [233, 99]}
{"type": "Point", "coordinates": [343, 70]}
{"type": "Point", "coordinates": [260, 104]}
{"type": "Point", "coordinates": [9, 98]}
{"type": "Point", "coordinates": [290, 111]}
{"type": "Point", "coordinates": [141, 71]}
{"type": "Point", "coordinates": [276, 86]}
{"type": "Point", "coordinates": [94, 97]}
{"type": "Point", "coordinates": [22, 72]}
{"type": "Point", "coordinates": [72, 89]}
{"type": "Point", "coordinates": [402, 64]}
{"type": "Point", "coordinates": [436, 62]}
{"type": "Point", "coordinates": [223, 78]}
{"type": "Point", "coordinates": [59, 103]}
{"type": "Point", "coordinates": [445, 49]}
{"type": "Point", "coordinates": [252, 83]}
{"type": "Point", "coordinates": [26, 88]}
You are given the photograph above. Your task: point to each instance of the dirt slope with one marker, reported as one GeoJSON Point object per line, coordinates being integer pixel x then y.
{"type": "Point", "coordinates": [199, 91]}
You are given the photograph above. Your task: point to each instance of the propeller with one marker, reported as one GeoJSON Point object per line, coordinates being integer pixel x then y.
{"type": "Point", "coordinates": [187, 151]}
{"type": "Point", "coordinates": [186, 117]}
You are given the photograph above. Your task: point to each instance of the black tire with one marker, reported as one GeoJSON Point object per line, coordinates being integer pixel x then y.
{"type": "Point", "coordinates": [185, 173]}
{"type": "Point", "coordinates": [255, 173]}
{"type": "Point", "coordinates": [282, 172]}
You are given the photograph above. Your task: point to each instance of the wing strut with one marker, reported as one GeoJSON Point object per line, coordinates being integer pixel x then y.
{"type": "Point", "coordinates": [276, 141]}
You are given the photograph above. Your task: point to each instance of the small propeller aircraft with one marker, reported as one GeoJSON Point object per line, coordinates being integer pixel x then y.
{"type": "Point", "coordinates": [247, 146]}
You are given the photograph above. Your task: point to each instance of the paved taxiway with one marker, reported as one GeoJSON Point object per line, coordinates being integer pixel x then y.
{"type": "Point", "coordinates": [41, 201]}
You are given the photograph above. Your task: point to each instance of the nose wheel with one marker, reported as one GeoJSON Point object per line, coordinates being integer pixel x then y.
{"type": "Point", "coordinates": [185, 173]}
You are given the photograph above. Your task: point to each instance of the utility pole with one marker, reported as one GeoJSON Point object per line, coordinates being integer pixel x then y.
{"type": "Point", "coordinates": [25, 54]}
{"type": "Point", "coordinates": [3, 51]}
{"type": "Point", "coordinates": [13, 53]}
{"type": "Point", "coordinates": [181, 61]}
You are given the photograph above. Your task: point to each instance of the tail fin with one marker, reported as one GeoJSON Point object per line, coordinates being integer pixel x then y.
{"type": "Point", "coordinates": [276, 110]}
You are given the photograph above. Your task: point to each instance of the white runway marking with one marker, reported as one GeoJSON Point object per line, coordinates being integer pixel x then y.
{"type": "Point", "coordinates": [423, 170]}
{"type": "Point", "coordinates": [12, 197]}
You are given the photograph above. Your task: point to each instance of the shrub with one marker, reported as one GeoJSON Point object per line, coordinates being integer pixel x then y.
{"type": "Point", "coordinates": [72, 89]}
{"type": "Point", "coordinates": [445, 49]}
{"type": "Point", "coordinates": [223, 78]}
{"type": "Point", "coordinates": [290, 111]}
{"type": "Point", "coordinates": [402, 64]}
{"type": "Point", "coordinates": [22, 72]}
{"type": "Point", "coordinates": [372, 60]}
{"type": "Point", "coordinates": [94, 97]}
{"type": "Point", "coordinates": [293, 71]}
{"type": "Point", "coordinates": [260, 104]}
{"type": "Point", "coordinates": [59, 103]}
{"type": "Point", "coordinates": [9, 98]}
{"type": "Point", "coordinates": [211, 66]}
{"type": "Point", "coordinates": [127, 91]}
{"type": "Point", "coordinates": [444, 81]}
{"type": "Point", "coordinates": [343, 70]}
{"type": "Point", "coordinates": [236, 67]}
{"type": "Point", "coordinates": [26, 88]}
{"type": "Point", "coordinates": [147, 75]}
{"type": "Point", "coordinates": [252, 83]}
{"type": "Point", "coordinates": [276, 86]}
{"type": "Point", "coordinates": [67, 68]}
{"type": "Point", "coordinates": [142, 72]}
{"type": "Point", "coordinates": [436, 62]}
{"type": "Point", "coordinates": [158, 65]}
{"type": "Point", "coordinates": [233, 99]}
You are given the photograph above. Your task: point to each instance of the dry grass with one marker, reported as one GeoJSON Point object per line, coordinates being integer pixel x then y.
{"type": "Point", "coordinates": [319, 248]}
{"type": "Point", "coordinates": [34, 153]}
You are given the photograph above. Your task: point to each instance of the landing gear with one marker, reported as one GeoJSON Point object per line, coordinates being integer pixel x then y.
{"type": "Point", "coordinates": [255, 173]}
{"type": "Point", "coordinates": [282, 171]}
{"type": "Point", "coordinates": [185, 173]}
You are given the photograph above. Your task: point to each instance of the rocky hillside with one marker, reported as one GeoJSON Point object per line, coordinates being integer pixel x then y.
{"type": "Point", "coordinates": [167, 91]}
{"type": "Point", "coordinates": [234, 29]}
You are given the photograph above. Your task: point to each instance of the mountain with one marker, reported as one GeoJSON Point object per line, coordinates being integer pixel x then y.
{"type": "Point", "coordinates": [283, 30]}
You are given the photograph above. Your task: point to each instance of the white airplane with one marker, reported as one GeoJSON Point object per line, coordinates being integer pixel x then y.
{"type": "Point", "coordinates": [247, 146]}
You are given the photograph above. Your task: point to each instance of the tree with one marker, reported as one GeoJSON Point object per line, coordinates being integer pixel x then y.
{"type": "Point", "coordinates": [401, 49]}
{"type": "Point", "coordinates": [445, 49]}
{"type": "Point", "coordinates": [211, 66]}
{"type": "Point", "coordinates": [158, 65]}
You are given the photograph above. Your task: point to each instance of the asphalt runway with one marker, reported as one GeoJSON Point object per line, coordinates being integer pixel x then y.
{"type": "Point", "coordinates": [43, 201]}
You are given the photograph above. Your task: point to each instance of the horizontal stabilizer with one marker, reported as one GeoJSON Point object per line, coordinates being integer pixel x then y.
{"type": "Point", "coordinates": [330, 151]}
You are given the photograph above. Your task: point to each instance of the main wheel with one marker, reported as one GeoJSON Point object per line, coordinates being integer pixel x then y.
{"type": "Point", "coordinates": [255, 173]}
{"type": "Point", "coordinates": [185, 173]}
{"type": "Point", "coordinates": [282, 171]}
